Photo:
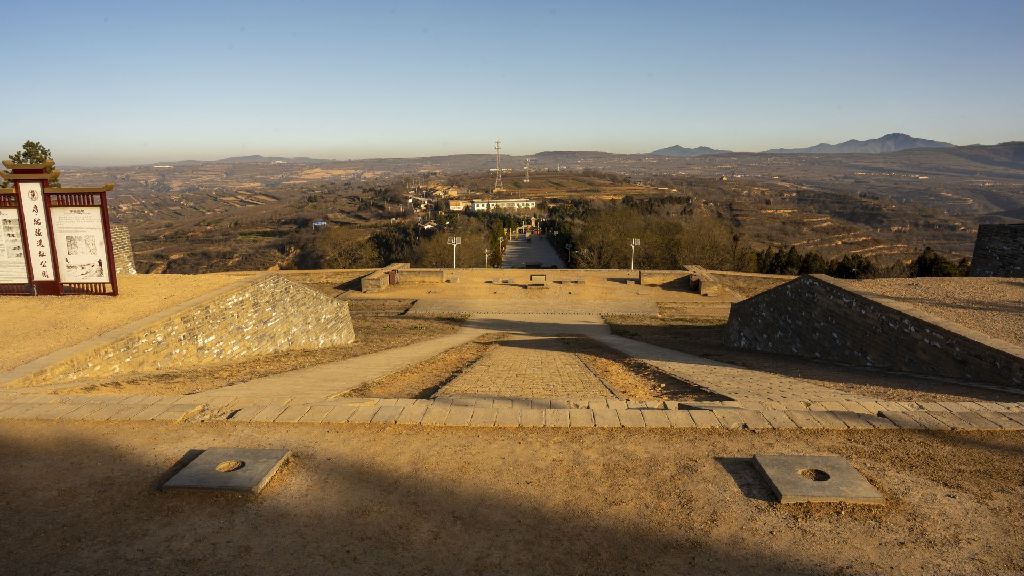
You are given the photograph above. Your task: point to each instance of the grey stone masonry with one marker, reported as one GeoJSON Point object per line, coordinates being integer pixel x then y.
{"type": "Point", "coordinates": [272, 314]}
{"type": "Point", "coordinates": [999, 251]}
{"type": "Point", "coordinates": [816, 317]}
{"type": "Point", "coordinates": [124, 255]}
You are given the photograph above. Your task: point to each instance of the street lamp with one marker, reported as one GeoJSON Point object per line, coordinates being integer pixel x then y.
{"type": "Point", "coordinates": [633, 243]}
{"type": "Point", "coordinates": [454, 241]}
{"type": "Point", "coordinates": [487, 256]}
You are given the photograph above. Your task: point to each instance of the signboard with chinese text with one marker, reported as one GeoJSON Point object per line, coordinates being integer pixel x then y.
{"type": "Point", "coordinates": [12, 253]}
{"type": "Point", "coordinates": [33, 213]}
{"type": "Point", "coordinates": [78, 234]}
{"type": "Point", "coordinates": [61, 234]}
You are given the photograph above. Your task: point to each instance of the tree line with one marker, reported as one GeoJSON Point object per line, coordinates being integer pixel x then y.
{"type": "Point", "coordinates": [673, 233]}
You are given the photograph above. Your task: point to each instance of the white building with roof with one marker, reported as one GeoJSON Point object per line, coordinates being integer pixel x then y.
{"type": "Point", "coordinates": [485, 205]}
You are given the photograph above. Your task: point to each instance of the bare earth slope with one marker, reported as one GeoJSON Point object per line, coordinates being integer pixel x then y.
{"type": "Point", "coordinates": [993, 306]}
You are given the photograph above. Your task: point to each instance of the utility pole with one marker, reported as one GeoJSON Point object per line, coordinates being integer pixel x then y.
{"type": "Point", "coordinates": [527, 168]}
{"type": "Point", "coordinates": [454, 241]}
{"type": "Point", "coordinates": [633, 243]}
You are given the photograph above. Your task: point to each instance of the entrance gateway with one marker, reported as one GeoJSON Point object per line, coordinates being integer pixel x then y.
{"type": "Point", "coordinates": [53, 241]}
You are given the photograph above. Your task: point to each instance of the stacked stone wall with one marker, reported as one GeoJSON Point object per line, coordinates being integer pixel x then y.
{"type": "Point", "coordinates": [270, 315]}
{"type": "Point", "coordinates": [421, 276]}
{"type": "Point", "coordinates": [814, 317]}
{"type": "Point", "coordinates": [379, 280]}
{"type": "Point", "coordinates": [999, 251]}
{"type": "Point", "coordinates": [124, 255]}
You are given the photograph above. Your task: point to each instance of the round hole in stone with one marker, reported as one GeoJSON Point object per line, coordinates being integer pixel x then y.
{"type": "Point", "coordinates": [230, 465]}
{"type": "Point", "coordinates": [814, 474]}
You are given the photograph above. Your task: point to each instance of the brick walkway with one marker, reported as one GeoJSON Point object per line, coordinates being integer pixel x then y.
{"type": "Point", "coordinates": [488, 412]}
{"type": "Point", "coordinates": [760, 400]}
{"type": "Point", "coordinates": [751, 388]}
{"type": "Point", "coordinates": [318, 382]}
{"type": "Point", "coordinates": [525, 367]}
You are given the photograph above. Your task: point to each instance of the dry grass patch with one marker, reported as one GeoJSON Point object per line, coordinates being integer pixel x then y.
{"type": "Point", "coordinates": [424, 379]}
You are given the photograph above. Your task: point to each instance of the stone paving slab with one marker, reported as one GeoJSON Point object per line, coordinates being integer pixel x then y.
{"type": "Point", "coordinates": [606, 418]}
{"type": "Point", "coordinates": [556, 413]}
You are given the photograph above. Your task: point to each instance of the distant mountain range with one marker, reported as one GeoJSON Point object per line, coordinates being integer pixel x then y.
{"type": "Point", "coordinates": [894, 142]}
{"type": "Point", "coordinates": [678, 151]}
{"type": "Point", "coordinates": [889, 143]}
{"type": "Point", "coordinates": [251, 159]}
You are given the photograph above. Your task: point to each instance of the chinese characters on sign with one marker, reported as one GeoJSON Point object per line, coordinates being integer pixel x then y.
{"type": "Point", "coordinates": [78, 233]}
{"type": "Point", "coordinates": [12, 253]}
{"type": "Point", "coordinates": [33, 213]}
{"type": "Point", "coordinates": [53, 241]}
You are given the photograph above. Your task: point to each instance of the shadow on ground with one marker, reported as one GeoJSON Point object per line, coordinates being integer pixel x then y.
{"type": "Point", "coordinates": [74, 504]}
{"type": "Point", "coordinates": [708, 341]}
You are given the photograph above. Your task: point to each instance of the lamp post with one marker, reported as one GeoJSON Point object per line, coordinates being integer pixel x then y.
{"type": "Point", "coordinates": [633, 243]}
{"type": "Point", "coordinates": [487, 256]}
{"type": "Point", "coordinates": [454, 241]}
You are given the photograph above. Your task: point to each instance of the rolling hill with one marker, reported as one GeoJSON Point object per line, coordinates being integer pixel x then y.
{"type": "Point", "coordinates": [895, 142]}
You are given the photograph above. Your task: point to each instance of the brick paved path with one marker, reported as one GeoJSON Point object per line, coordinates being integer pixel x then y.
{"type": "Point", "coordinates": [317, 382]}
{"type": "Point", "coordinates": [760, 400]}
{"type": "Point", "coordinates": [751, 388]}
{"type": "Point", "coordinates": [525, 367]}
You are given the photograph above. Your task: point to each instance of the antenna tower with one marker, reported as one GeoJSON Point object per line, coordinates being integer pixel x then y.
{"type": "Point", "coordinates": [497, 166]}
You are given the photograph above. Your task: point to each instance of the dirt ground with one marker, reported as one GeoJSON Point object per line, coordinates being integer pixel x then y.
{"type": "Point", "coordinates": [699, 337]}
{"type": "Point", "coordinates": [423, 379]}
{"type": "Point", "coordinates": [74, 319]}
{"type": "Point", "coordinates": [633, 379]}
{"type": "Point", "coordinates": [373, 334]}
{"type": "Point", "coordinates": [81, 498]}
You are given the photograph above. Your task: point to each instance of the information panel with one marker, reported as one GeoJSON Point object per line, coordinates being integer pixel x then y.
{"type": "Point", "coordinates": [12, 253]}
{"type": "Point", "coordinates": [33, 210]}
{"type": "Point", "coordinates": [78, 234]}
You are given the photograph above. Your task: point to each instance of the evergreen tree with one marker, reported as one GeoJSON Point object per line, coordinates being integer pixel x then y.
{"type": "Point", "coordinates": [32, 153]}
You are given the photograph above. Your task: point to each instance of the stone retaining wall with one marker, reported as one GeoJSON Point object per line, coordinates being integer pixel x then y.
{"type": "Point", "coordinates": [815, 317]}
{"type": "Point", "coordinates": [999, 251]}
{"type": "Point", "coordinates": [661, 277]}
{"type": "Point", "coordinates": [420, 276]}
{"type": "Point", "coordinates": [272, 314]}
{"type": "Point", "coordinates": [124, 256]}
{"type": "Point", "coordinates": [701, 281]}
{"type": "Point", "coordinates": [747, 284]}
{"type": "Point", "coordinates": [379, 280]}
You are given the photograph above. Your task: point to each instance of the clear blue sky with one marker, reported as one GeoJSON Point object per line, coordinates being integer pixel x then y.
{"type": "Point", "coordinates": [110, 82]}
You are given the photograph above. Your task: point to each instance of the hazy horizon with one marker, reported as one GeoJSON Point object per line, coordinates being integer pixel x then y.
{"type": "Point", "coordinates": [128, 84]}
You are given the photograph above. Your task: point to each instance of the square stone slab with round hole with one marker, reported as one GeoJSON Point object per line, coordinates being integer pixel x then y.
{"type": "Point", "coordinates": [241, 469]}
{"type": "Point", "coordinates": [816, 479]}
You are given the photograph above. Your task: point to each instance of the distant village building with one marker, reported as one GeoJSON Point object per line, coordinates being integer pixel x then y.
{"type": "Point", "coordinates": [484, 205]}
{"type": "Point", "coordinates": [459, 205]}
{"type": "Point", "coordinates": [419, 203]}
{"type": "Point", "coordinates": [319, 225]}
